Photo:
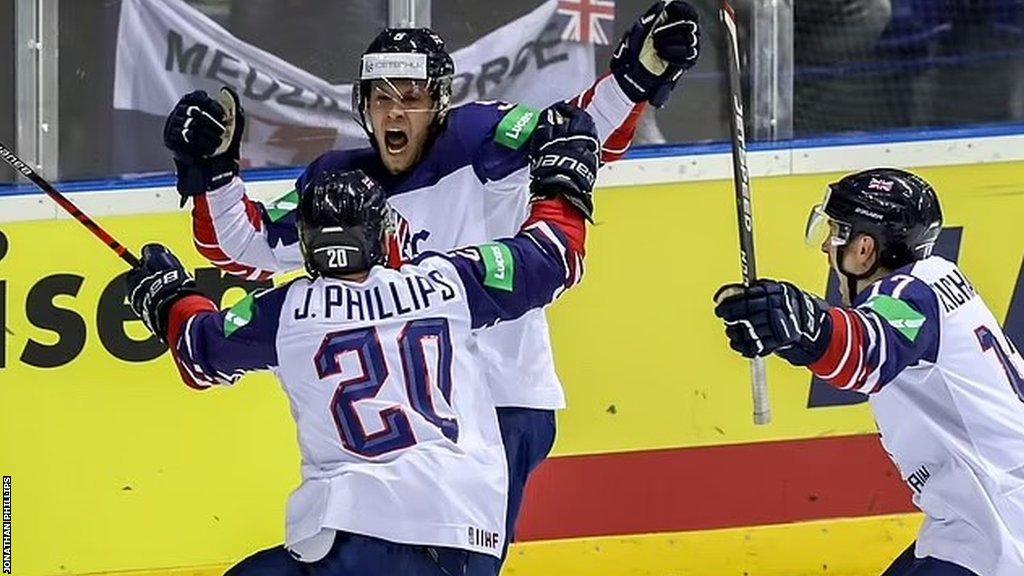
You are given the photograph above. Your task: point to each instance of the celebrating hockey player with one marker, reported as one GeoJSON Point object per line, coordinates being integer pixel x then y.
{"type": "Point", "coordinates": [944, 382]}
{"type": "Point", "coordinates": [402, 460]}
{"type": "Point", "coordinates": [458, 174]}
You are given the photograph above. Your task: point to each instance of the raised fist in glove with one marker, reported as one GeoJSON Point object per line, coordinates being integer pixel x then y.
{"type": "Point", "coordinates": [205, 136]}
{"type": "Point", "coordinates": [654, 53]}
{"type": "Point", "coordinates": [155, 285]}
{"type": "Point", "coordinates": [564, 156]}
{"type": "Point", "coordinates": [774, 317]}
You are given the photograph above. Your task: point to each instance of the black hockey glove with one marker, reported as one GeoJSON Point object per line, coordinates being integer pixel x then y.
{"type": "Point", "coordinates": [155, 285]}
{"type": "Point", "coordinates": [564, 156]}
{"type": "Point", "coordinates": [205, 136]}
{"type": "Point", "coordinates": [654, 53]}
{"type": "Point", "coordinates": [777, 317]}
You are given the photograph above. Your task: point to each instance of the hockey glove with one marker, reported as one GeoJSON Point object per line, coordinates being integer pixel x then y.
{"type": "Point", "coordinates": [564, 156]}
{"type": "Point", "coordinates": [205, 136]}
{"type": "Point", "coordinates": [155, 285]}
{"type": "Point", "coordinates": [654, 53]}
{"type": "Point", "coordinates": [778, 317]}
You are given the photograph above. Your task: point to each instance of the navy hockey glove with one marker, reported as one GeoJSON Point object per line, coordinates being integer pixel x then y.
{"type": "Point", "coordinates": [654, 53]}
{"type": "Point", "coordinates": [777, 317]}
{"type": "Point", "coordinates": [564, 156]}
{"type": "Point", "coordinates": [155, 285]}
{"type": "Point", "coordinates": [205, 136]}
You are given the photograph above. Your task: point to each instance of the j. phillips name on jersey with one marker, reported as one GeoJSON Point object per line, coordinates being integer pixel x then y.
{"type": "Point", "coordinates": [379, 301]}
{"type": "Point", "coordinates": [954, 291]}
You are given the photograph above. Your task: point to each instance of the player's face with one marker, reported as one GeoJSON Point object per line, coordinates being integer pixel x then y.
{"type": "Point", "coordinates": [831, 249]}
{"type": "Point", "coordinates": [828, 234]}
{"type": "Point", "coordinates": [401, 112]}
{"type": "Point", "coordinates": [858, 259]}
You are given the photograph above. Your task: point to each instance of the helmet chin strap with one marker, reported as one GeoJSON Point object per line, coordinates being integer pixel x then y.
{"type": "Point", "coordinates": [851, 278]}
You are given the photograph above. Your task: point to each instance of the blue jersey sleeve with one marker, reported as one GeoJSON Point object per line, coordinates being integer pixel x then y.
{"type": "Point", "coordinates": [894, 325]}
{"type": "Point", "coordinates": [214, 347]}
{"type": "Point", "coordinates": [495, 136]}
{"type": "Point", "coordinates": [507, 278]}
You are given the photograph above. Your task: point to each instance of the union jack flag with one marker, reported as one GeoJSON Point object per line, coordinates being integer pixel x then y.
{"type": "Point", "coordinates": [883, 185]}
{"type": "Point", "coordinates": [587, 21]}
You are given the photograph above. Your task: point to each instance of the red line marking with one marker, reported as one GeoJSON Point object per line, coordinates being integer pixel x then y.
{"type": "Point", "coordinates": [705, 488]}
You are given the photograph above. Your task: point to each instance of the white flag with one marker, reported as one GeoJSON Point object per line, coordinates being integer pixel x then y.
{"type": "Point", "coordinates": [525, 62]}
{"type": "Point", "coordinates": [166, 48]}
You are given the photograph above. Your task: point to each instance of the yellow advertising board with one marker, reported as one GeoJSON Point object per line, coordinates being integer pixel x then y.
{"type": "Point", "coordinates": [116, 466]}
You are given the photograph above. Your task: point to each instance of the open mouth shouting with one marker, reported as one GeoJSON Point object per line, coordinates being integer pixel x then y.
{"type": "Point", "coordinates": [395, 140]}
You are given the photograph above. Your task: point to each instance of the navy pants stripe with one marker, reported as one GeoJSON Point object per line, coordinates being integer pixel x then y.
{"type": "Point", "coordinates": [528, 435]}
{"type": "Point", "coordinates": [909, 565]}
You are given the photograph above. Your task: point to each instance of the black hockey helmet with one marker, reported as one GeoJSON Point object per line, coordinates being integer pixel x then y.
{"type": "Point", "coordinates": [343, 218]}
{"type": "Point", "coordinates": [896, 208]}
{"type": "Point", "coordinates": [410, 54]}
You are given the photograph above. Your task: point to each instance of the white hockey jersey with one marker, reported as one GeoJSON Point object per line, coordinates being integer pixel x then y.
{"type": "Point", "coordinates": [470, 186]}
{"type": "Point", "coordinates": [947, 390]}
{"type": "Point", "coordinates": [397, 429]}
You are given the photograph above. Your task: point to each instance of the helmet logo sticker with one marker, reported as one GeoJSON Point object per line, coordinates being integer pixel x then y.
{"type": "Point", "coordinates": [394, 65]}
{"type": "Point", "coordinates": [883, 185]}
{"type": "Point", "coordinates": [868, 213]}
{"type": "Point", "coordinates": [337, 256]}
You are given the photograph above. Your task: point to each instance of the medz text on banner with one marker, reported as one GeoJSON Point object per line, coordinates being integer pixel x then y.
{"type": "Point", "coordinates": [251, 82]}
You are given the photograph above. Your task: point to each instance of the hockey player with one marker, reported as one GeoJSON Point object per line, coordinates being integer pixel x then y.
{"type": "Point", "coordinates": [945, 384]}
{"type": "Point", "coordinates": [459, 176]}
{"type": "Point", "coordinates": [402, 462]}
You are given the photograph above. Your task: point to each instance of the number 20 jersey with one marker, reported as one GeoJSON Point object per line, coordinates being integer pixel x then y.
{"type": "Point", "coordinates": [946, 389]}
{"type": "Point", "coordinates": [396, 424]}
{"type": "Point", "coordinates": [422, 461]}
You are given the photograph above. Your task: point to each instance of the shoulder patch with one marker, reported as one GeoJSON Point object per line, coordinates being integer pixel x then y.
{"type": "Point", "coordinates": [898, 314]}
{"type": "Point", "coordinates": [239, 315]}
{"type": "Point", "coordinates": [516, 127]}
{"type": "Point", "coordinates": [283, 206]}
{"type": "Point", "coordinates": [499, 267]}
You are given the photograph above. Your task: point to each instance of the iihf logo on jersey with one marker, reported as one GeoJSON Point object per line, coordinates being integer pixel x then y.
{"type": "Point", "coordinates": [918, 479]}
{"type": "Point", "coordinates": [483, 538]}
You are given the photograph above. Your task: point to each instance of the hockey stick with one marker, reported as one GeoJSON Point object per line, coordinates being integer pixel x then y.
{"type": "Point", "coordinates": [69, 206]}
{"type": "Point", "coordinates": [744, 215]}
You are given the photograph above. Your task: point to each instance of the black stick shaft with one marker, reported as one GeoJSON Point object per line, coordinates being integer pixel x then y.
{"type": "Point", "coordinates": [744, 213]}
{"type": "Point", "coordinates": [69, 206]}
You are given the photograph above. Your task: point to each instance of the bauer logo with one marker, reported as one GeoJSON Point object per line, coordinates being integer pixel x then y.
{"type": "Point", "coordinates": [868, 213]}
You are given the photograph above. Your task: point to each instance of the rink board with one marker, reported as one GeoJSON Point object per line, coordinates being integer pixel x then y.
{"type": "Point", "coordinates": [116, 466]}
